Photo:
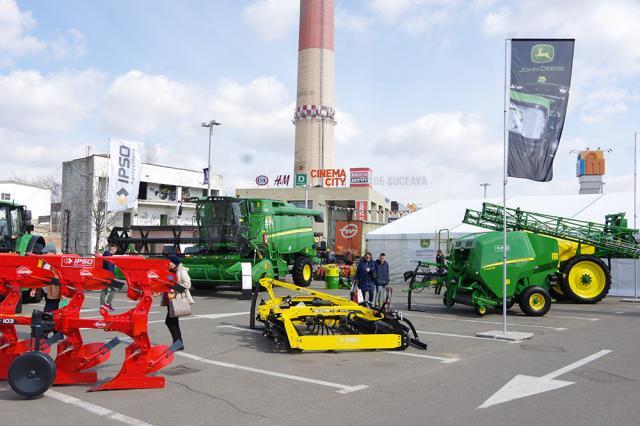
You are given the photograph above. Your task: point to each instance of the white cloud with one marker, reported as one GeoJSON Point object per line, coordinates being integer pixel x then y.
{"type": "Point", "coordinates": [417, 16]}
{"type": "Point", "coordinates": [13, 27]}
{"type": "Point", "coordinates": [138, 104]}
{"type": "Point", "coordinates": [68, 43]}
{"type": "Point", "coordinates": [272, 19]}
{"type": "Point", "coordinates": [32, 102]}
{"type": "Point", "coordinates": [496, 22]}
{"type": "Point", "coordinates": [351, 21]}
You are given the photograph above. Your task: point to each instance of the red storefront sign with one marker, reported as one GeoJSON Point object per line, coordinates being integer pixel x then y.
{"type": "Point", "coordinates": [361, 210]}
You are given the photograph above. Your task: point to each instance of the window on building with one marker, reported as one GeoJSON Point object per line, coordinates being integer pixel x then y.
{"type": "Point", "coordinates": [126, 219]}
{"type": "Point", "coordinates": [142, 191]}
{"type": "Point", "coordinates": [6, 196]}
{"type": "Point", "coordinates": [164, 219]}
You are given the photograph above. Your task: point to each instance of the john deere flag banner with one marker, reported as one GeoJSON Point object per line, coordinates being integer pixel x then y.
{"type": "Point", "coordinates": [539, 92]}
{"type": "Point", "coordinates": [124, 174]}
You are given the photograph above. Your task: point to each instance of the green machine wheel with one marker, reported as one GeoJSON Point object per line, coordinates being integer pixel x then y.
{"type": "Point", "coordinates": [302, 271]}
{"type": "Point", "coordinates": [480, 310]}
{"type": "Point", "coordinates": [535, 301]}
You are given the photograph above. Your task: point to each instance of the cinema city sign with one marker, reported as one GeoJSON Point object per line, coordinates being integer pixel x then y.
{"type": "Point", "coordinates": [330, 177]}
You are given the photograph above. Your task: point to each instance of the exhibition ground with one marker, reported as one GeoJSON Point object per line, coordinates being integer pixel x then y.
{"type": "Point", "coordinates": [581, 365]}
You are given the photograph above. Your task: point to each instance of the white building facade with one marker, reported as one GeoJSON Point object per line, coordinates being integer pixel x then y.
{"type": "Point", "coordinates": [36, 198]}
{"type": "Point", "coordinates": [161, 190]}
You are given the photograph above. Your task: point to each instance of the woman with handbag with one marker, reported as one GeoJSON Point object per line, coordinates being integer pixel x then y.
{"type": "Point", "coordinates": [178, 300]}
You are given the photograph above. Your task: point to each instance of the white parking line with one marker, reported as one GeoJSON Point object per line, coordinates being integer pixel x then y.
{"type": "Point", "coordinates": [95, 409]}
{"type": "Point", "coordinates": [463, 336]}
{"type": "Point", "coordinates": [240, 328]}
{"type": "Point", "coordinates": [207, 316]}
{"type": "Point", "coordinates": [438, 358]}
{"type": "Point", "coordinates": [342, 388]}
{"type": "Point", "coordinates": [577, 318]}
{"type": "Point", "coordinates": [485, 322]}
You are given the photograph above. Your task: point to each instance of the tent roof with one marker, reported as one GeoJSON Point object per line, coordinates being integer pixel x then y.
{"type": "Point", "coordinates": [449, 214]}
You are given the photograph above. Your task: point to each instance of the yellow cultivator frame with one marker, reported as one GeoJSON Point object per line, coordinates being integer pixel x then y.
{"type": "Point", "coordinates": [317, 321]}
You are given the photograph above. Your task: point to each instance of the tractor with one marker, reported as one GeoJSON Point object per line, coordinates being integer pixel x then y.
{"type": "Point", "coordinates": [16, 237]}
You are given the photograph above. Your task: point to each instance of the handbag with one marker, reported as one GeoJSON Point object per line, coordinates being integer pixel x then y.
{"type": "Point", "coordinates": [179, 307]}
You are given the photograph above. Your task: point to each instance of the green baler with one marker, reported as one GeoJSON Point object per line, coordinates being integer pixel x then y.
{"type": "Point", "coordinates": [474, 271]}
{"type": "Point", "coordinates": [275, 237]}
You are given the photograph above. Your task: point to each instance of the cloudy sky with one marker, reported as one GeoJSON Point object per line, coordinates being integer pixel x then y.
{"type": "Point", "coordinates": [419, 86]}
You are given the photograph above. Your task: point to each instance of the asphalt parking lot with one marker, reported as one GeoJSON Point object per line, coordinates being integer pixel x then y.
{"type": "Point", "coordinates": [582, 366]}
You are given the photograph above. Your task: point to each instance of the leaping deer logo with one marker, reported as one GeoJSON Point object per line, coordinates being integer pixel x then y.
{"type": "Point", "coordinates": [541, 53]}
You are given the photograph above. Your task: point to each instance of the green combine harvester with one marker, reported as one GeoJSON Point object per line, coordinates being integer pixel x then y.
{"type": "Point", "coordinates": [275, 237]}
{"type": "Point", "coordinates": [547, 256]}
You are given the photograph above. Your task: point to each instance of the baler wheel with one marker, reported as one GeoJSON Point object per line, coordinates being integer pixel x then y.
{"type": "Point", "coordinates": [586, 279]}
{"type": "Point", "coordinates": [535, 301]}
{"type": "Point", "coordinates": [302, 271]}
{"type": "Point", "coordinates": [480, 310]}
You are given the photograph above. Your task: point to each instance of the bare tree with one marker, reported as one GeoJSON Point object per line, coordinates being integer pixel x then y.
{"type": "Point", "coordinates": [101, 219]}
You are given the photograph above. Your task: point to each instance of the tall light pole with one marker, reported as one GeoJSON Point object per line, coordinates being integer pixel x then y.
{"type": "Point", "coordinates": [485, 189]}
{"type": "Point", "coordinates": [210, 125]}
{"type": "Point", "coordinates": [635, 210]}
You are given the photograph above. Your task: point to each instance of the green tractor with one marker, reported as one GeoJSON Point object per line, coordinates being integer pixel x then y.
{"type": "Point", "coordinates": [275, 237]}
{"type": "Point", "coordinates": [16, 237]}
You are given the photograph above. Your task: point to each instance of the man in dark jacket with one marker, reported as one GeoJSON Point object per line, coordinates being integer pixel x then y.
{"type": "Point", "coordinates": [382, 279]}
{"type": "Point", "coordinates": [365, 276]}
{"type": "Point", "coordinates": [108, 293]}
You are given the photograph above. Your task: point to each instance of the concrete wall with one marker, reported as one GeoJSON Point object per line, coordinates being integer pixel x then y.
{"type": "Point", "coordinates": [36, 198]}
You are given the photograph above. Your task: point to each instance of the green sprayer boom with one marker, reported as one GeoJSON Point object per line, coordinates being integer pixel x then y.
{"type": "Point", "coordinates": [611, 239]}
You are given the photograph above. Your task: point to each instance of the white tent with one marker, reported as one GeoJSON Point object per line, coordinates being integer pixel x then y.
{"type": "Point", "coordinates": [415, 237]}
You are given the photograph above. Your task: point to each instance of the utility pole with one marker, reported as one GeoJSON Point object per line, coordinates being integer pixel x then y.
{"type": "Point", "coordinates": [485, 188]}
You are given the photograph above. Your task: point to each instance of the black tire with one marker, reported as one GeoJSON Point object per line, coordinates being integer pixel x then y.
{"type": "Point", "coordinates": [302, 271]}
{"type": "Point", "coordinates": [444, 301]}
{"type": "Point", "coordinates": [32, 374]}
{"type": "Point", "coordinates": [535, 301]}
{"type": "Point", "coordinates": [37, 248]}
{"type": "Point", "coordinates": [580, 269]}
{"type": "Point", "coordinates": [557, 294]}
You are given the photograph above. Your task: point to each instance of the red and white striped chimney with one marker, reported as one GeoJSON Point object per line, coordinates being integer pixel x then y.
{"type": "Point", "coordinates": [314, 115]}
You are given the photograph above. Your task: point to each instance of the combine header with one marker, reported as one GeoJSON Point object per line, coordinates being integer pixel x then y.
{"type": "Point", "coordinates": [317, 321]}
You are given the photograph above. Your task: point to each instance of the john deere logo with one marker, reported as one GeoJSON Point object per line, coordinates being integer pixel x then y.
{"type": "Point", "coordinates": [425, 243]}
{"type": "Point", "coordinates": [542, 53]}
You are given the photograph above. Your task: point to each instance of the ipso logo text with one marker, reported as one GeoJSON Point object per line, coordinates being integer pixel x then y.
{"type": "Point", "coordinates": [398, 180]}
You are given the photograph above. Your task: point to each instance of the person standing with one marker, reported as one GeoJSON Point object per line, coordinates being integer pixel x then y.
{"type": "Point", "coordinates": [180, 289]}
{"type": "Point", "coordinates": [440, 261]}
{"type": "Point", "coordinates": [381, 279]}
{"type": "Point", "coordinates": [365, 277]}
{"type": "Point", "coordinates": [108, 293]}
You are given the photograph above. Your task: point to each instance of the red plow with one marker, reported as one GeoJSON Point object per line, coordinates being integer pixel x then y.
{"type": "Point", "coordinates": [26, 363]}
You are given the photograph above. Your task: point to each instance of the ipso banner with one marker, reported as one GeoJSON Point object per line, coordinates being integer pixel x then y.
{"type": "Point", "coordinates": [539, 93]}
{"type": "Point", "coordinates": [124, 174]}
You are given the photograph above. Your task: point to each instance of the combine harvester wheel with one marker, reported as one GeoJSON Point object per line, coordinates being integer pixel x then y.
{"type": "Point", "coordinates": [535, 301]}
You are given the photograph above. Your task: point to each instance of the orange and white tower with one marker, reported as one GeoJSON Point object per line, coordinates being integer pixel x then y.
{"type": "Point", "coordinates": [314, 117]}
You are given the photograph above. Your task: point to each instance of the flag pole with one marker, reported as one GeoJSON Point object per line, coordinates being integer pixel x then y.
{"type": "Point", "coordinates": [505, 136]}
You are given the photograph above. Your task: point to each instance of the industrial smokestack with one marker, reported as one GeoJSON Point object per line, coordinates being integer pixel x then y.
{"type": "Point", "coordinates": [314, 116]}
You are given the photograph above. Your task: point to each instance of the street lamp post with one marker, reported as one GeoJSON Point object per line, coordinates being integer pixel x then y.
{"type": "Point", "coordinates": [485, 188]}
{"type": "Point", "coordinates": [210, 125]}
